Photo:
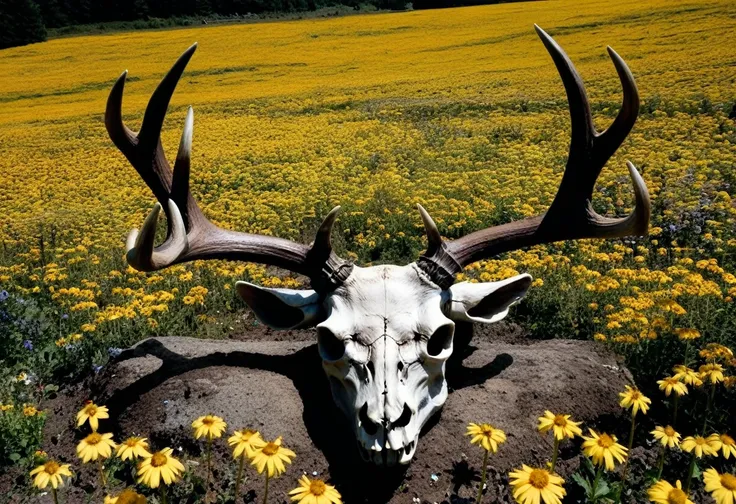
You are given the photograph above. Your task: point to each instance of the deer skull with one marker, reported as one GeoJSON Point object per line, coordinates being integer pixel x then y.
{"type": "Point", "coordinates": [384, 336]}
{"type": "Point", "coordinates": [385, 332]}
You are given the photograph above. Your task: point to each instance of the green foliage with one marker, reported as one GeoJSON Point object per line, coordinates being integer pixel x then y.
{"type": "Point", "coordinates": [21, 434]}
{"type": "Point", "coordinates": [20, 23]}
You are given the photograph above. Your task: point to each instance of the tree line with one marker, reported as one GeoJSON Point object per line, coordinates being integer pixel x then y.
{"type": "Point", "coordinates": [26, 21]}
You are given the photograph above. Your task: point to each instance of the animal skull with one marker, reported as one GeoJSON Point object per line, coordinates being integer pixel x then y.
{"type": "Point", "coordinates": [384, 332]}
{"type": "Point", "coordinates": [384, 337]}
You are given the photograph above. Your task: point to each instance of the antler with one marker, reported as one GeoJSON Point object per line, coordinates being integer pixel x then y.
{"type": "Point", "coordinates": [190, 236]}
{"type": "Point", "coordinates": [571, 215]}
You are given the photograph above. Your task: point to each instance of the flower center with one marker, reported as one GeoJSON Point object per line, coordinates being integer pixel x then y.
{"type": "Point", "coordinates": [560, 421]}
{"type": "Point", "coordinates": [728, 481]}
{"type": "Point", "coordinates": [90, 410]}
{"type": "Point", "coordinates": [317, 488]}
{"type": "Point", "coordinates": [605, 441]}
{"type": "Point", "coordinates": [93, 438]}
{"type": "Point", "coordinates": [676, 496]}
{"type": "Point", "coordinates": [247, 434]}
{"type": "Point", "coordinates": [208, 421]}
{"type": "Point", "coordinates": [669, 431]}
{"type": "Point", "coordinates": [270, 449]}
{"type": "Point", "coordinates": [158, 459]}
{"type": "Point", "coordinates": [539, 478]}
{"type": "Point", "coordinates": [727, 440]}
{"type": "Point", "coordinates": [635, 395]}
{"type": "Point", "coordinates": [487, 430]}
{"type": "Point", "coordinates": [700, 440]}
{"type": "Point", "coordinates": [132, 442]}
{"type": "Point", "coordinates": [50, 467]}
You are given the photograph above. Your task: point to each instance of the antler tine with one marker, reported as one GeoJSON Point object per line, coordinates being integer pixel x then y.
{"type": "Point", "coordinates": [571, 215]}
{"type": "Point", "coordinates": [614, 136]}
{"type": "Point", "coordinates": [153, 119]}
{"type": "Point", "coordinates": [180, 181]}
{"type": "Point", "coordinates": [123, 138]}
{"type": "Point", "coordinates": [141, 253]}
{"type": "Point", "coordinates": [580, 116]}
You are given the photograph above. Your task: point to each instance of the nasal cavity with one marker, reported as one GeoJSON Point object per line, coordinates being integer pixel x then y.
{"type": "Point", "coordinates": [368, 426]}
{"type": "Point", "coordinates": [404, 419]}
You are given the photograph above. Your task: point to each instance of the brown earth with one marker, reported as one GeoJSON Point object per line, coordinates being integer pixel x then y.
{"type": "Point", "coordinates": [273, 381]}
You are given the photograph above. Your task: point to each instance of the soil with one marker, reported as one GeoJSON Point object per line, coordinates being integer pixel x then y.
{"type": "Point", "coordinates": [273, 381]}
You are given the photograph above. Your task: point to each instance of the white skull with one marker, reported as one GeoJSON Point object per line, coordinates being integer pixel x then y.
{"type": "Point", "coordinates": [384, 336]}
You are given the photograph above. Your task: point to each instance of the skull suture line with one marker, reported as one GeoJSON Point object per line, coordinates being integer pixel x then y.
{"type": "Point", "coordinates": [384, 332]}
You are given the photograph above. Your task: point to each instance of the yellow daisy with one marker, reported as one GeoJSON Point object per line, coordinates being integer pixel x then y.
{"type": "Point", "coordinates": [133, 447]}
{"type": "Point", "coordinates": [712, 373]}
{"type": "Point", "coordinates": [603, 448]}
{"type": "Point", "coordinates": [723, 442]}
{"type": "Point", "coordinates": [92, 413]}
{"type": "Point", "coordinates": [209, 425]}
{"type": "Point", "coordinates": [486, 436]}
{"type": "Point", "coordinates": [687, 376]}
{"type": "Point", "coordinates": [247, 441]}
{"type": "Point", "coordinates": [561, 425]}
{"type": "Point", "coordinates": [50, 472]}
{"type": "Point", "coordinates": [687, 333]}
{"type": "Point", "coordinates": [109, 499]}
{"type": "Point", "coordinates": [633, 398]}
{"type": "Point", "coordinates": [667, 436]}
{"type": "Point", "coordinates": [272, 457]}
{"type": "Point", "coordinates": [159, 466]}
{"type": "Point", "coordinates": [662, 492]}
{"type": "Point", "coordinates": [722, 487]}
{"type": "Point", "coordinates": [95, 446]}
{"type": "Point", "coordinates": [697, 445]}
{"type": "Point", "coordinates": [671, 384]}
{"type": "Point", "coordinates": [315, 492]}
{"type": "Point", "coordinates": [530, 485]}
{"type": "Point", "coordinates": [128, 496]}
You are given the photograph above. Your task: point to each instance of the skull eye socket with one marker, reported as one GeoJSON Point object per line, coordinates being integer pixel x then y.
{"type": "Point", "coordinates": [441, 340]}
{"type": "Point", "coordinates": [331, 348]}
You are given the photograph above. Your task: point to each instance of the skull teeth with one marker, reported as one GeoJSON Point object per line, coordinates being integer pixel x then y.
{"type": "Point", "coordinates": [383, 455]}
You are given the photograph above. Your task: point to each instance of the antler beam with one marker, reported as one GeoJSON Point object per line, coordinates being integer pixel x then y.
{"type": "Point", "coordinates": [571, 215]}
{"type": "Point", "coordinates": [190, 236]}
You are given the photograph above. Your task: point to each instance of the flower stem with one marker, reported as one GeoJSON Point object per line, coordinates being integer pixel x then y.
{"type": "Point", "coordinates": [628, 452]}
{"type": "Point", "coordinates": [482, 478]}
{"type": "Point", "coordinates": [102, 473]}
{"type": "Point", "coordinates": [596, 481]}
{"type": "Point", "coordinates": [707, 406]}
{"type": "Point", "coordinates": [209, 459]}
{"type": "Point", "coordinates": [265, 492]}
{"type": "Point", "coordinates": [240, 475]}
{"type": "Point", "coordinates": [660, 465]}
{"type": "Point", "coordinates": [163, 494]}
{"type": "Point", "coordinates": [56, 497]}
{"type": "Point", "coordinates": [690, 471]}
{"type": "Point", "coordinates": [674, 410]}
{"type": "Point", "coordinates": [554, 454]}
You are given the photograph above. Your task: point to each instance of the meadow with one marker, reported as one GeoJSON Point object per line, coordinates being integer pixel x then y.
{"type": "Point", "coordinates": [460, 110]}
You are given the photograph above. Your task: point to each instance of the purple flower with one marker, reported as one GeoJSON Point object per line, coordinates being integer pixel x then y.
{"type": "Point", "coordinates": [4, 295]}
{"type": "Point", "coordinates": [96, 369]}
{"type": "Point", "coordinates": [114, 352]}
{"type": "Point", "coordinates": [65, 316]}
{"type": "Point", "coordinates": [28, 345]}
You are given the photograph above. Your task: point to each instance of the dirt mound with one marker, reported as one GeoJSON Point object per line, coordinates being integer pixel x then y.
{"type": "Point", "coordinates": [159, 386]}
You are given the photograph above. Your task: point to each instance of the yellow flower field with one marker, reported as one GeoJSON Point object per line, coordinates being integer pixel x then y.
{"type": "Point", "coordinates": [460, 110]}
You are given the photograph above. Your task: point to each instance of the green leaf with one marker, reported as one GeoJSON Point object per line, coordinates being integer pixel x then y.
{"type": "Point", "coordinates": [602, 490]}
{"type": "Point", "coordinates": [15, 457]}
{"type": "Point", "coordinates": [580, 480]}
